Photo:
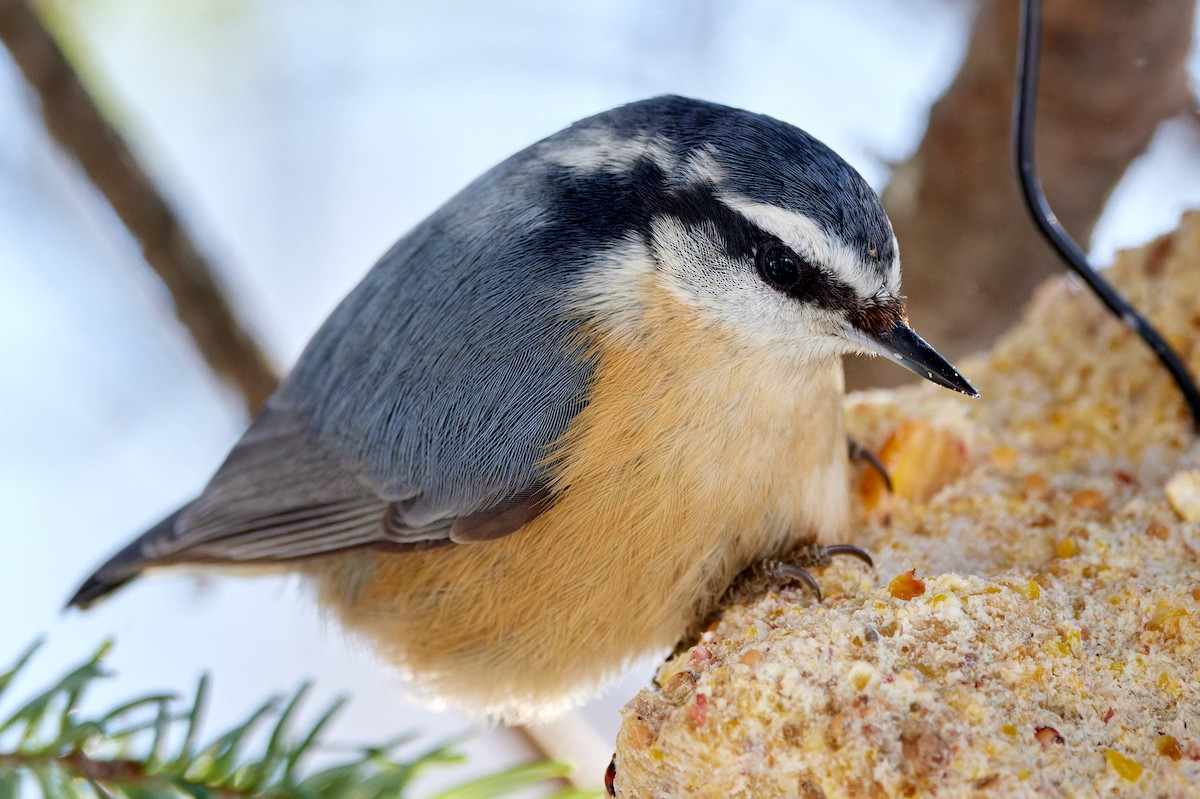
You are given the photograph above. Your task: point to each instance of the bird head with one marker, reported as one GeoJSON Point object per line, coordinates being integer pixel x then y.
{"type": "Point", "coordinates": [754, 223]}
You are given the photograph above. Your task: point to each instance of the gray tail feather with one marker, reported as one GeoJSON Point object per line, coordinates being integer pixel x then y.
{"type": "Point", "coordinates": [121, 567]}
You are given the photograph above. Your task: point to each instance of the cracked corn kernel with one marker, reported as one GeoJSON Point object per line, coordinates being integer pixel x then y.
{"type": "Point", "coordinates": [1047, 736]}
{"type": "Point", "coordinates": [1167, 684]}
{"type": "Point", "coordinates": [1035, 485]}
{"type": "Point", "coordinates": [1030, 590]}
{"type": "Point", "coordinates": [1004, 456]}
{"type": "Point", "coordinates": [922, 458]}
{"type": "Point", "coordinates": [1089, 499]}
{"type": "Point", "coordinates": [751, 657]}
{"type": "Point", "coordinates": [1167, 619]}
{"type": "Point", "coordinates": [860, 675]}
{"type": "Point", "coordinates": [638, 735]}
{"type": "Point", "coordinates": [1125, 767]}
{"type": "Point", "coordinates": [1168, 746]}
{"type": "Point", "coordinates": [906, 585]}
{"type": "Point", "coordinates": [1183, 493]}
{"type": "Point", "coordinates": [1066, 548]}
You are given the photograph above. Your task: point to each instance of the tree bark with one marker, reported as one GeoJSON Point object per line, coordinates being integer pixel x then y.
{"type": "Point", "coordinates": [80, 128]}
{"type": "Point", "coordinates": [1111, 72]}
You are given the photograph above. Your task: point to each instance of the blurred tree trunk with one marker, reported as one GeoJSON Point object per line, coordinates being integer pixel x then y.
{"type": "Point", "coordinates": [1111, 72]}
{"type": "Point", "coordinates": [75, 121]}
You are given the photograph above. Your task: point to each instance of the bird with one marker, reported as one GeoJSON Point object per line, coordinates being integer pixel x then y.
{"type": "Point", "coordinates": [559, 417]}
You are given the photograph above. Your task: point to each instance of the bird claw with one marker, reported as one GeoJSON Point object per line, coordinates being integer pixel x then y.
{"type": "Point", "coordinates": [756, 580]}
{"type": "Point", "coordinates": [790, 572]}
{"type": "Point", "coordinates": [831, 551]}
{"type": "Point", "coordinates": [793, 569]}
{"type": "Point", "coordinates": [860, 453]}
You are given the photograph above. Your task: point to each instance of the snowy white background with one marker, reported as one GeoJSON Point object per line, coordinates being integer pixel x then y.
{"type": "Point", "coordinates": [299, 138]}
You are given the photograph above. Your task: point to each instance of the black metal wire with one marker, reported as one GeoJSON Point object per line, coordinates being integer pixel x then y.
{"type": "Point", "coordinates": [1031, 188]}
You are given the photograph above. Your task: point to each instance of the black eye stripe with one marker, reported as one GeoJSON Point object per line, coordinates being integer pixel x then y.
{"type": "Point", "coordinates": [695, 206]}
{"type": "Point", "coordinates": [781, 268]}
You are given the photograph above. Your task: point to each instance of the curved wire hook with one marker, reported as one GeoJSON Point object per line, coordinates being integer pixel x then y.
{"type": "Point", "coordinates": [1031, 189]}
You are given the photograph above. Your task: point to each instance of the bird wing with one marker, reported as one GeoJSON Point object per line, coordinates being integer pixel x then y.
{"type": "Point", "coordinates": [280, 496]}
{"type": "Point", "coordinates": [423, 411]}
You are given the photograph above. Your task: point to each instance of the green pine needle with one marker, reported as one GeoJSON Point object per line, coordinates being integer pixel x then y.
{"type": "Point", "coordinates": [148, 748]}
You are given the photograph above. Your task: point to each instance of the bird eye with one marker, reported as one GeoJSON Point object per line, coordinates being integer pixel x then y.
{"type": "Point", "coordinates": [779, 266]}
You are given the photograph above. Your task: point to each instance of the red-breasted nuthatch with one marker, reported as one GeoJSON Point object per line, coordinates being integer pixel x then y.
{"type": "Point", "coordinates": [557, 419]}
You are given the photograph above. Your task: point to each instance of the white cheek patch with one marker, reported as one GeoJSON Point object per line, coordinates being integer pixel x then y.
{"type": "Point", "coordinates": [691, 264]}
{"type": "Point", "coordinates": [730, 294]}
{"type": "Point", "coordinates": [600, 150]}
{"type": "Point", "coordinates": [806, 237]}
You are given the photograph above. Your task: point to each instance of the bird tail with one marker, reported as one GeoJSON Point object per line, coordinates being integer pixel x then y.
{"type": "Point", "coordinates": [121, 567]}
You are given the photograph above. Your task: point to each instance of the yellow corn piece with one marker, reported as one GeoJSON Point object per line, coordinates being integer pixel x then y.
{"type": "Point", "coordinates": [921, 457]}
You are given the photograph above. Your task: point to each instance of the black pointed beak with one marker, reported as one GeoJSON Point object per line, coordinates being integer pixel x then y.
{"type": "Point", "coordinates": [901, 344]}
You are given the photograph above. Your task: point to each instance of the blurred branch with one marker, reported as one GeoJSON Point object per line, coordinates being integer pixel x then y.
{"type": "Point", "coordinates": [569, 738]}
{"type": "Point", "coordinates": [80, 128]}
{"type": "Point", "coordinates": [1111, 74]}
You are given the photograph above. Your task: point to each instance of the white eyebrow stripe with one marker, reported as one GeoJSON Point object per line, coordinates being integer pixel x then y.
{"type": "Point", "coordinates": [893, 284]}
{"type": "Point", "coordinates": [807, 238]}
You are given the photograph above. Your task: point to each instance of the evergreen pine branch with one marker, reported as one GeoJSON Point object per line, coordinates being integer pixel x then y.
{"type": "Point", "coordinates": [148, 748]}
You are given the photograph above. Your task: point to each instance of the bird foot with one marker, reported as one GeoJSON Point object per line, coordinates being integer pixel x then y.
{"type": "Point", "coordinates": [792, 569]}
{"type": "Point", "coordinates": [758, 579]}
